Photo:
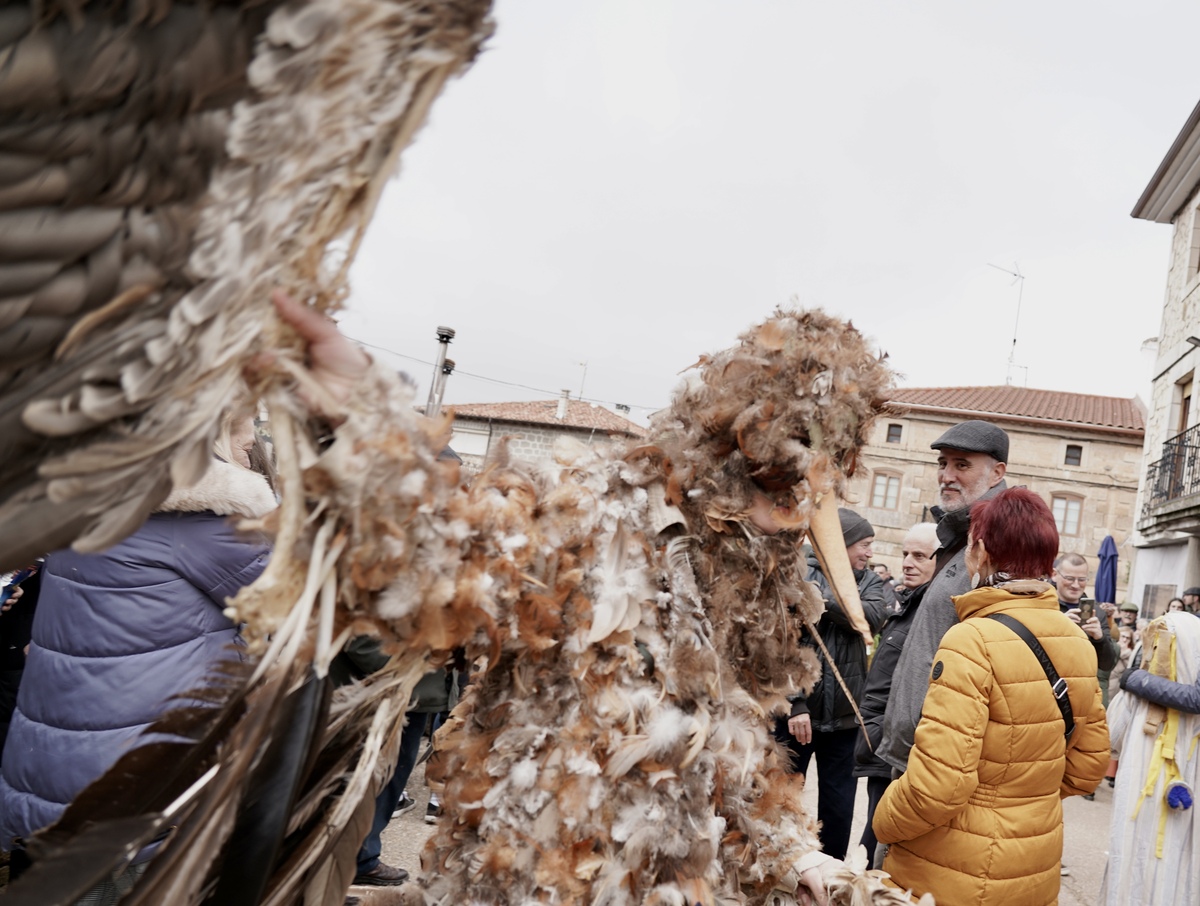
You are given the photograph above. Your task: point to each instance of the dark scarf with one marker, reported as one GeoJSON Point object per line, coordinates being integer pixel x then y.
{"type": "Point", "coordinates": [953, 526]}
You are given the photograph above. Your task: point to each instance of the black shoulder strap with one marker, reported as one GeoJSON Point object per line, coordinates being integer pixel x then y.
{"type": "Point", "coordinates": [1057, 684]}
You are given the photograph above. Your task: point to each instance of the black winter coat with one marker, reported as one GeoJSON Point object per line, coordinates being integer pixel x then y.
{"type": "Point", "coordinates": [827, 703]}
{"type": "Point", "coordinates": [879, 683]}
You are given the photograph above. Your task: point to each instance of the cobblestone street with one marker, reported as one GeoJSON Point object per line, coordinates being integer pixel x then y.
{"type": "Point", "coordinates": [1084, 848]}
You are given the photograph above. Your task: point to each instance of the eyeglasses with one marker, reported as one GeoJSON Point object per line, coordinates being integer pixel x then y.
{"type": "Point", "coordinates": [1072, 580]}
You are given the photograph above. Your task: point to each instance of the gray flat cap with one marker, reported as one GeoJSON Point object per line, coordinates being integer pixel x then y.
{"type": "Point", "coordinates": [975, 436]}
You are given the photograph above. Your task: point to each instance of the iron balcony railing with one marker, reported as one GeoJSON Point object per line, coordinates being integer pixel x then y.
{"type": "Point", "coordinates": [1177, 474]}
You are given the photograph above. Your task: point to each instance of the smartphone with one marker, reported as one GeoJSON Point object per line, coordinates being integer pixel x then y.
{"type": "Point", "coordinates": [11, 581]}
{"type": "Point", "coordinates": [1087, 610]}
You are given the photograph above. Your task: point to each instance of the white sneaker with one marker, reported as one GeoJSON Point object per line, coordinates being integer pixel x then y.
{"type": "Point", "coordinates": [1064, 871]}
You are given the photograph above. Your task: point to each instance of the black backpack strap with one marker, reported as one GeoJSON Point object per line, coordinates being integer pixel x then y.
{"type": "Point", "coordinates": [1057, 684]}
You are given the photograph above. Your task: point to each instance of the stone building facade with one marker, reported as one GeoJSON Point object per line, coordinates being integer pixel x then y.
{"type": "Point", "coordinates": [1081, 453]}
{"type": "Point", "coordinates": [1168, 522]}
{"type": "Point", "coordinates": [532, 428]}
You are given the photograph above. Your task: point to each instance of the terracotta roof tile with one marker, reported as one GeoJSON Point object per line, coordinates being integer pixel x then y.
{"type": "Point", "coordinates": [542, 412]}
{"type": "Point", "coordinates": [1026, 404]}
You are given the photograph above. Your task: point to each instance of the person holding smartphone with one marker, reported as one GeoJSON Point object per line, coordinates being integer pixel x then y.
{"type": "Point", "coordinates": [1070, 578]}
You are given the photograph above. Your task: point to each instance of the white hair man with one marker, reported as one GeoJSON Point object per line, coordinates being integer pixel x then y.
{"type": "Point", "coordinates": [972, 461]}
{"type": "Point", "coordinates": [919, 547]}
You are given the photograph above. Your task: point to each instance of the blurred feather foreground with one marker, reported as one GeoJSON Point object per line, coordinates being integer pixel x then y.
{"type": "Point", "coordinates": [163, 165]}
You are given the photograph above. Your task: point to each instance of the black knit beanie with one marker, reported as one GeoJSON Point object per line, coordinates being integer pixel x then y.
{"type": "Point", "coordinates": [854, 527]}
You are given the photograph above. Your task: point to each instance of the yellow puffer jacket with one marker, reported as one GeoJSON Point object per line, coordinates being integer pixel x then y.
{"type": "Point", "coordinates": [977, 817]}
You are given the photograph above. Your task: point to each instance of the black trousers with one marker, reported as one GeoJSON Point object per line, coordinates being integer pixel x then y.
{"type": "Point", "coordinates": [875, 790]}
{"type": "Point", "coordinates": [836, 784]}
{"type": "Point", "coordinates": [389, 796]}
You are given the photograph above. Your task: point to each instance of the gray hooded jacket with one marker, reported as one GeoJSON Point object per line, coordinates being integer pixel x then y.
{"type": "Point", "coordinates": [910, 682]}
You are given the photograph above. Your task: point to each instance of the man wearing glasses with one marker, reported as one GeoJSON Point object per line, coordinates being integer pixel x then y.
{"type": "Point", "coordinates": [1070, 577]}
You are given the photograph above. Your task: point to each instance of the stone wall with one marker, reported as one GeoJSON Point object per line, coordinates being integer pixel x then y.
{"type": "Point", "coordinates": [1172, 559]}
{"type": "Point", "coordinates": [1106, 482]}
{"type": "Point", "coordinates": [528, 442]}
{"type": "Point", "coordinates": [525, 442]}
{"type": "Point", "coordinates": [1177, 359]}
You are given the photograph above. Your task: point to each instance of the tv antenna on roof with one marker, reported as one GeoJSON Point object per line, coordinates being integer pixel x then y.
{"type": "Point", "coordinates": [1019, 279]}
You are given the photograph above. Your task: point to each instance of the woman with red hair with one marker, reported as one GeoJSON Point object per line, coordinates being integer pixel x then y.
{"type": "Point", "coordinates": [977, 817]}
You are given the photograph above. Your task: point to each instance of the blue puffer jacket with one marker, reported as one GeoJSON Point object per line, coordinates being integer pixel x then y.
{"type": "Point", "coordinates": [1162, 691]}
{"type": "Point", "coordinates": [117, 634]}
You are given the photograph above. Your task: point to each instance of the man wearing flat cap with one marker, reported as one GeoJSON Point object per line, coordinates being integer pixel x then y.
{"type": "Point", "coordinates": [823, 723]}
{"type": "Point", "coordinates": [1191, 599]}
{"type": "Point", "coordinates": [972, 459]}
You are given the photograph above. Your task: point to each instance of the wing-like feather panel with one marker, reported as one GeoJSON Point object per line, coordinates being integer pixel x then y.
{"type": "Point", "coordinates": [163, 165]}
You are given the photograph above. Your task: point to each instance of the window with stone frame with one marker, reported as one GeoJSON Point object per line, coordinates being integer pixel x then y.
{"type": "Point", "coordinates": [885, 490]}
{"type": "Point", "coordinates": [1074, 455]}
{"type": "Point", "coordinates": [1067, 509]}
{"type": "Point", "coordinates": [894, 433]}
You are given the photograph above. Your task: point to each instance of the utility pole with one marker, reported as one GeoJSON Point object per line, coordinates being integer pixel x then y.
{"type": "Point", "coordinates": [447, 370]}
{"type": "Point", "coordinates": [434, 405]}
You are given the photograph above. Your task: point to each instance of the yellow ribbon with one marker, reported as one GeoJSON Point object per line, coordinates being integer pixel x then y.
{"type": "Point", "coordinates": [1162, 759]}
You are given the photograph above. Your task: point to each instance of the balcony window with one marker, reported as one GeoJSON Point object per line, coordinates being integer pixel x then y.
{"type": "Point", "coordinates": [1074, 455]}
{"type": "Point", "coordinates": [894, 433]}
{"type": "Point", "coordinates": [1066, 513]}
{"type": "Point", "coordinates": [1176, 474]}
{"type": "Point", "coordinates": [885, 491]}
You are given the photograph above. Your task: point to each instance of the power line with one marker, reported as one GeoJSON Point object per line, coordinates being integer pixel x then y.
{"type": "Point", "coordinates": [492, 380]}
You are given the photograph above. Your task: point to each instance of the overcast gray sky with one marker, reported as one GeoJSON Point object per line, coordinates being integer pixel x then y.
{"type": "Point", "coordinates": [632, 183]}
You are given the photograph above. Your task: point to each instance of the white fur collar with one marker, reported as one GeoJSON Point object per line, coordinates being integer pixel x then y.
{"type": "Point", "coordinates": [225, 489]}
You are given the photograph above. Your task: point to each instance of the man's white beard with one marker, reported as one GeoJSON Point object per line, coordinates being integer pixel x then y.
{"type": "Point", "coordinates": [954, 503]}
{"type": "Point", "coordinates": [966, 496]}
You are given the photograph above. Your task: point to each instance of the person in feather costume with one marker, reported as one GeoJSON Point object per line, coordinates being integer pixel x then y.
{"type": "Point", "coordinates": [616, 748]}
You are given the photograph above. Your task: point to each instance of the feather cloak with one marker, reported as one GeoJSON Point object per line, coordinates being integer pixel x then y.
{"type": "Point", "coordinates": [616, 750]}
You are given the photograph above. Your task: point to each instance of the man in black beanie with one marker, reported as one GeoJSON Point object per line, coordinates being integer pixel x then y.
{"type": "Point", "coordinates": [824, 723]}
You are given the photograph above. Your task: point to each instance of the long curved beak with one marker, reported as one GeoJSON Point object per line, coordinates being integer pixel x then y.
{"type": "Point", "coordinates": [825, 535]}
